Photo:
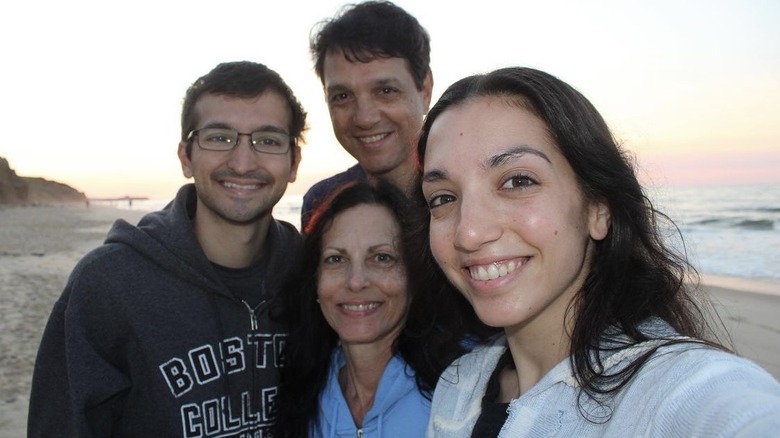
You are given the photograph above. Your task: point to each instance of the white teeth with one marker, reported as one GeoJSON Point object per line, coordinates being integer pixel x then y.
{"type": "Point", "coordinates": [372, 138]}
{"type": "Point", "coordinates": [492, 271]}
{"type": "Point", "coordinates": [231, 185]}
{"type": "Point", "coordinates": [360, 307]}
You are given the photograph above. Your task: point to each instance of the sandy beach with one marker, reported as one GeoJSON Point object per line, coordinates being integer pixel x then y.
{"type": "Point", "coordinates": [39, 246]}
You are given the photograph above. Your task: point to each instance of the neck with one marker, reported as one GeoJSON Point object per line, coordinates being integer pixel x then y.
{"type": "Point", "coordinates": [538, 345]}
{"type": "Point", "coordinates": [359, 378]}
{"type": "Point", "coordinates": [229, 244]}
{"type": "Point", "coordinates": [402, 177]}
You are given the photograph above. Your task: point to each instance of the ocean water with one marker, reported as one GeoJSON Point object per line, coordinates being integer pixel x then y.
{"type": "Point", "coordinates": [731, 231]}
{"type": "Point", "coordinates": [728, 231]}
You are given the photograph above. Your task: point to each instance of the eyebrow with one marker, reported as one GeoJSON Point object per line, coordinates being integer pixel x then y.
{"type": "Point", "coordinates": [496, 160]}
{"type": "Point", "coordinates": [513, 153]}
{"type": "Point", "coordinates": [387, 81]}
{"type": "Point", "coordinates": [264, 128]}
{"type": "Point", "coordinates": [434, 175]}
{"type": "Point", "coordinates": [381, 82]}
{"type": "Point", "coordinates": [373, 248]}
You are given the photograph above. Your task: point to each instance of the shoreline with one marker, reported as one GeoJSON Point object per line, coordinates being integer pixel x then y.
{"type": "Point", "coordinates": [40, 245]}
{"type": "Point", "coordinates": [750, 285]}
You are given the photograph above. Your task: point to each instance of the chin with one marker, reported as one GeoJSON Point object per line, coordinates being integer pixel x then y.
{"type": "Point", "coordinates": [493, 317]}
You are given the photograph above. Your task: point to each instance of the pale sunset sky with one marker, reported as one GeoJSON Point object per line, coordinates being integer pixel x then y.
{"type": "Point", "coordinates": [91, 90]}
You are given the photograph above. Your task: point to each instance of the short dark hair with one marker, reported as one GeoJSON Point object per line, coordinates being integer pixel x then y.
{"type": "Point", "coordinates": [370, 30]}
{"type": "Point", "coordinates": [242, 79]}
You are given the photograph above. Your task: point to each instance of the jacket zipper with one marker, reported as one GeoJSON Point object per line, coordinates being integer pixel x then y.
{"type": "Point", "coordinates": [252, 314]}
{"type": "Point", "coordinates": [360, 433]}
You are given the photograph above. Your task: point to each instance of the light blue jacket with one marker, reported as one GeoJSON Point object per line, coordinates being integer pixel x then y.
{"type": "Point", "coordinates": [399, 409]}
{"type": "Point", "coordinates": [685, 390]}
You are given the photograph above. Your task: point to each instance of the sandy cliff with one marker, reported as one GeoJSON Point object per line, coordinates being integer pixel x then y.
{"type": "Point", "coordinates": [20, 190]}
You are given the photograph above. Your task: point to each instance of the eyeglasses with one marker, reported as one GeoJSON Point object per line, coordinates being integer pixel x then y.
{"type": "Point", "coordinates": [226, 139]}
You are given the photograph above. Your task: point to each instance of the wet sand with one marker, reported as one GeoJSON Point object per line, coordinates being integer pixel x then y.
{"type": "Point", "coordinates": [39, 246]}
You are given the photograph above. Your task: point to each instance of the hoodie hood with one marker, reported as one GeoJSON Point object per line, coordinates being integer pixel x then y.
{"type": "Point", "coordinates": [167, 238]}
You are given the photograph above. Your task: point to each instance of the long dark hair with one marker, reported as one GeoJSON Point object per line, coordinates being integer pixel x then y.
{"type": "Point", "coordinates": [429, 341]}
{"type": "Point", "coordinates": [635, 275]}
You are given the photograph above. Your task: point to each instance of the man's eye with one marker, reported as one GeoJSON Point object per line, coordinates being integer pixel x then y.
{"type": "Point", "coordinates": [219, 139]}
{"type": "Point", "coordinates": [338, 97]}
{"type": "Point", "coordinates": [268, 141]}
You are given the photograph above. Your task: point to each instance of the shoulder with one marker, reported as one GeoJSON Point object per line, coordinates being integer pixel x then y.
{"type": "Point", "coordinates": [399, 405]}
{"type": "Point", "coordinates": [699, 367]}
{"type": "Point", "coordinates": [284, 241]}
{"type": "Point", "coordinates": [320, 191]}
{"type": "Point", "coordinates": [707, 392]}
{"type": "Point", "coordinates": [332, 407]}
{"type": "Point", "coordinates": [322, 188]}
{"type": "Point", "coordinates": [354, 173]}
{"type": "Point", "coordinates": [287, 233]}
{"type": "Point", "coordinates": [467, 376]}
{"type": "Point", "coordinates": [457, 399]}
{"type": "Point", "coordinates": [482, 357]}
{"type": "Point", "coordinates": [103, 260]}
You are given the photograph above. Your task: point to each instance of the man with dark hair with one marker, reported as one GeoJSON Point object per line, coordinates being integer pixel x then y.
{"type": "Point", "coordinates": [165, 329]}
{"type": "Point", "coordinates": [373, 60]}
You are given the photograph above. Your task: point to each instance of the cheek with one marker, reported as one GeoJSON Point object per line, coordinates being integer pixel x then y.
{"type": "Point", "coordinates": [397, 290]}
{"type": "Point", "coordinates": [565, 236]}
{"type": "Point", "coordinates": [325, 295]}
{"type": "Point", "coordinates": [441, 246]}
{"type": "Point", "coordinates": [328, 284]}
{"type": "Point", "coordinates": [549, 224]}
{"type": "Point", "coordinates": [281, 170]}
{"type": "Point", "coordinates": [395, 284]}
{"type": "Point", "coordinates": [339, 119]}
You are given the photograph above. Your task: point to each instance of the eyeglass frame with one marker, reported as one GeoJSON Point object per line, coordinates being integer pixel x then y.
{"type": "Point", "coordinates": [196, 133]}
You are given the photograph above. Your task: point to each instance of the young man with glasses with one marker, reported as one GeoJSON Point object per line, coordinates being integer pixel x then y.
{"type": "Point", "coordinates": [166, 329]}
{"type": "Point", "coordinates": [374, 63]}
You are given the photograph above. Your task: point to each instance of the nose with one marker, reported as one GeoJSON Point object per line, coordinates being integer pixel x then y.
{"type": "Point", "coordinates": [366, 114]}
{"type": "Point", "coordinates": [358, 278]}
{"type": "Point", "coordinates": [243, 158]}
{"type": "Point", "coordinates": [476, 224]}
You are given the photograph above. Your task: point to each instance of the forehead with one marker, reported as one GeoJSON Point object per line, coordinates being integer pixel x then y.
{"type": "Point", "coordinates": [340, 72]}
{"type": "Point", "coordinates": [266, 109]}
{"type": "Point", "coordinates": [480, 127]}
{"type": "Point", "coordinates": [365, 224]}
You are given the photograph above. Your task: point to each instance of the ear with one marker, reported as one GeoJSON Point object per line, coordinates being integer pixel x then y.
{"type": "Point", "coordinates": [296, 161]}
{"type": "Point", "coordinates": [599, 220]}
{"type": "Point", "coordinates": [427, 90]}
{"type": "Point", "coordinates": [186, 164]}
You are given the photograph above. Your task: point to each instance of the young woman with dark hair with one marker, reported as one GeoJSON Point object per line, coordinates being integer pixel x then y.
{"type": "Point", "coordinates": [536, 216]}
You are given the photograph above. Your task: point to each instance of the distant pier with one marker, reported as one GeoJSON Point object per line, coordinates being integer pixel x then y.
{"type": "Point", "coordinates": [128, 199]}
